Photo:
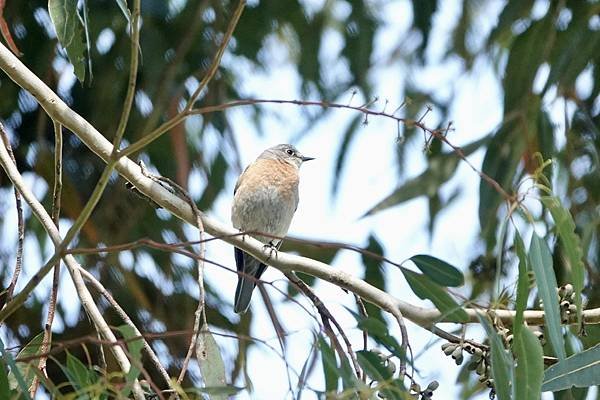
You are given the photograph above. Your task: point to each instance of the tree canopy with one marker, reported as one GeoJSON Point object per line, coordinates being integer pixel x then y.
{"type": "Point", "coordinates": [176, 72]}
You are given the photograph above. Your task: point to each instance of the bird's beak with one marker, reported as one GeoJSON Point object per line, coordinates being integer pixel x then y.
{"type": "Point", "coordinates": [307, 158]}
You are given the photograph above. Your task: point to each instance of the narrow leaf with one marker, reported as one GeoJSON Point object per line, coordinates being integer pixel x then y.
{"type": "Point", "coordinates": [375, 368]}
{"type": "Point", "coordinates": [211, 362]}
{"type": "Point", "coordinates": [579, 370]}
{"type": "Point", "coordinates": [4, 386]}
{"type": "Point", "coordinates": [134, 349]}
{"type": "Point", "coordinates": [522, 283]}
{"type": "Point", "coordinates": [330, 368]}
{"type": "Point", "coordinates": [27, 370]}
{"type": "Point", "coordinates": [77, 372]}
{"type": "Point", "coordinates": [69, 31]}
{"type": "Point", "coordinates": [571, 245]}
{"type": "Point", "coordinates": [502, 362]}
{"type": "Point", "coordinates": [423, 287]}
{"type": "Point", "coordinates": [378, 331]}
{"type": "Point", "coordinates": [439, 271]}
{"type": "Point", "coordinates": [530, 365]}
{"type": "Point", "coordinates": [541, 263]}
{"type": "Point", "coordinates": [15, 374]}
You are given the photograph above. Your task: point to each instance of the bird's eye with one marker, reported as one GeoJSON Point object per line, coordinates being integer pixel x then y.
{"type": "Point", "coordinates": [290, 151]}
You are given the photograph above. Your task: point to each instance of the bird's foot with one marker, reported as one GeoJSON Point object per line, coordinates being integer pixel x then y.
{"type": "Point", "coordinates": [270, 248]}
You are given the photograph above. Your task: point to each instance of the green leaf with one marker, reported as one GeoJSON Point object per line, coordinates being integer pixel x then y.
{"type": "Point", "coordinates": [579, 370]}
{"type": "Point", "coordinates": [27, 370]}
{"type": "Point", "coordinates": [15, 376]}
{"type": "Point", "coordinates": [502, 362]}
{"type": "Point", "coordinates": [374, 273]}
{"type": "Point", "coordinates": [439, 271]}
{"type": "Point", "coordinates": [211, 362]}
{"type": "Point", "coordinates": [69, 31]}
{"type": "Point", "coordinates": [4, 386]}
{"type": "Point", "coordinates": [376, 369]}
{"type": "Point", "coordinates": [541, 263]}
{"type": "Point", "coordinates": [79, 374]}
{"type": "Point", "coordinates": [423, 287]}
{"type": "Point", "coordinates": [134, 350]}
{"type": "Point", "coordinates": [571, 245]}
{"type": "Point", "coordinates": [500, 163]}
{"type": "Point", "coordinates": [530, 365]}
{"type": "Point", "coordinates": [525, 57]}
{"type": "Point", "coordinates": [378, 331]}
{"type": "Point", "coordinates": [522, 284]}
{"type": "Point", "coordinates": [427, 183]}
{"type": "Point", "coordinates": [330, 368]}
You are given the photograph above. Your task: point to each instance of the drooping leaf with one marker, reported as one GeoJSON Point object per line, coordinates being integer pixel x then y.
{"type": "Point", "coordinates": [529, 371]}
{"type": "Point", "coordinates": [376, 369]}
{"type": "Point", "coordinates": [425, 288]}
{"type": "Point", "coordinates": [27, 370]}
{"type": "Point", "coordinates": [211, 362]}
{"type": "Point", "coordinates": [342, 154]}
{"type": "Point", "coordinates": [374, 273]}
{"type": "Point", "coordinates": [438, 270]}
{"type": "Point", "coordinates": [579, 370]}
{"type": "Point", "coordinates": [524, 59]}
{"type": "Point", "coordinates": [541, 263]}
{"type": "Point", "coordinates": [330, 367]}
{"type": "Point", "coordinates": [424, 184]}
{"type": "Point", "coordinates": [502, 362]}
{"type": "Point", "coordinates": [423, 11]}
{"type": "Point", "coordinates": [379, 332]}
{"type": "Point", "coordinates": [134, 351]}
{"type": "Point", "coordinates": [522, 284]}
{"type": "Point", "coordinates": [441, 167]}
{"type": "Point", "coordinates": [15, 377]}
{"type": "Point", "coordinates": [571, 245]}
{"type": "Point", "coordinates": [69, 31]}
{"type": "Point", "coordinates": [5, 392]}
{"type": "Point", "coordinates": [78, 373]}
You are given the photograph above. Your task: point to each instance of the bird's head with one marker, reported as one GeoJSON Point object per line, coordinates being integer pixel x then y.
{"type": "Point", "coordinates": [286, 153]}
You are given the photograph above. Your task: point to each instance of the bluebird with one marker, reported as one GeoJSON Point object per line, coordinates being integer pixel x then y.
{"type": "Point", "coordinates": [265, 199]}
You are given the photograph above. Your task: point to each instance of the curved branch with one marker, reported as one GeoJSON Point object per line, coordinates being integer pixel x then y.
{"type": "Point", "coordinates": [59, 111]}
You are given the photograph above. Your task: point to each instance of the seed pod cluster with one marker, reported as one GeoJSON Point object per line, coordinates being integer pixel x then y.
{"type": "Point", "coordinates": [566, 297]}
{"type": "Point", "coordinates": [480, 360]}
{"type": "Point", "coordinates": [417, 392]}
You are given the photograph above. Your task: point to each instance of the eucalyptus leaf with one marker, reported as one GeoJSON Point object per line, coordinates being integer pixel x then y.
{"type": "Point", "coordinates": [571, 245]}
{"type": "Point", "coordinates": [502, 362]}
{"type": "Point", "coordinates": [69, 31]}
{"type": "Point", "coordinates": [579, 370]}
{"type": "Point", "coordinates": [425, 288]}
{"type": "Point", "coordinates": [330, 367]}
{"type": "Point", "coordinates": [211, 362]}
{"type": "Point", "coordinates": [529, 371]}
{"type": "Point", "coordinates": [541, 263]}
{"type": "Point", "coordinates": [438, 270]}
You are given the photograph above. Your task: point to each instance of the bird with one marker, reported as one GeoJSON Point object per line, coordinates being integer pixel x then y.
{"type": "Point", "coordinates": [265, 199]}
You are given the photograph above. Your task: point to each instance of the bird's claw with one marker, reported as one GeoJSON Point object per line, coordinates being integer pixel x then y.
{"type": "Point", "coordinates": [270, 248]}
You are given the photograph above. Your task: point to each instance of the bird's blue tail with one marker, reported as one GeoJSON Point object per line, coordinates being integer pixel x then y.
{"type": "Point", "coordinates": [250, 271]}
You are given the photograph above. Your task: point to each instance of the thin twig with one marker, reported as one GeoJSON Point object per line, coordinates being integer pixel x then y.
{"type": "Point", "coordinates": [133, 70]}
{"type": "Point", "coordinates": [20, 226]}
{"type": "Point", "coordinates": [217, 58]}
{"type": "Point", "coordinates": [55, 214]}
{"type": "Point", "coordinates": [108, 296]}
{"type": "Point", "coordinates": [326, 316]}
{"type": "Point", "coordinates": [84, 295]}
{"type": "Point", "coordinates": [155, 134]}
